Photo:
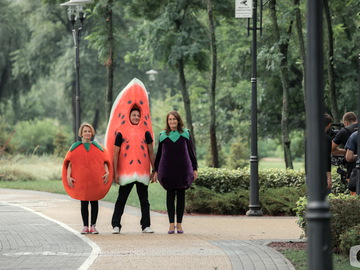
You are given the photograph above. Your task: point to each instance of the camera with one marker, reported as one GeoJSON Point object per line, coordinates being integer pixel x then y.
{"type": "Point", "coordinates": [335, 127]}
{"type": "Point", "coordinates": [340, 162]}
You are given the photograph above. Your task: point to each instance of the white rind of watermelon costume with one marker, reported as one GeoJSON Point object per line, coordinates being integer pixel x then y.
{"type": "Point", "coordinates": [133, 163]}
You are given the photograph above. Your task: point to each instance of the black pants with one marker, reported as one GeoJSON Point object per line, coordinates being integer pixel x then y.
{"type": "Point", "coordinates": [179, 194]}
{"type": "Point", "coordinates": [124, 191]}
{"type": "Point", "coordinates": [85, 212]}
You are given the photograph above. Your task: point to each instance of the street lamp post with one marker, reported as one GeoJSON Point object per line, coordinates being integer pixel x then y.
{"type": "Point", "coordinates": [151, 74]}
{"type": "Point", "coordinates": [254, 206]}
{"type": "Point", "coordinates": [318, 213]}
{"type": "Point", "coordinates": [358, 140]}
{"type": "Point", "coordinates": [77, 12]}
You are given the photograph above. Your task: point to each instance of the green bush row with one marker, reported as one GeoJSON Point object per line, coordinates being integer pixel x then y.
{"type": "Point", "coordinates": [224, 180]}
{"type": "Point", "coordinates": [273, 201]}
{"type": "Point", "coordinates": [345, 228]}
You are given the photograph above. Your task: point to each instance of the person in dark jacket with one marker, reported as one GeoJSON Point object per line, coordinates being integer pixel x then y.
{"type": "Point", "coordinates": [175, 167]}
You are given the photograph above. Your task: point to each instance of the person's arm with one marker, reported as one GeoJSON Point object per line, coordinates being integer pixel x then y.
{"type": "Point", "coordinates": [153, 175]}
{"type": "Point", "coordinates": [106, 175]}
{"type": "Point", "coordinates": [192, 154]}
{"type": "Point", "coordinates": [117, 150]}
{"type": "Point", "coordinates": [70, 180]}
{"type": "Point", "coordinates": [151, 155]}
{"type": "Point", "coordinates": [156, 163]}
{"type": "Point", "coordinates": [335, 150]}
{"type": "Point", "coordinates": [115, 163]}
{"type": "Point", "coordinates": [329, 181]}
{"type": "Point", "coordinates": [350, 156]}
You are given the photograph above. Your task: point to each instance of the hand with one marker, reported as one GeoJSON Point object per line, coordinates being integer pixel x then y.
{"type": "Point", "coordinates": [116, 179]}
{"type": "Point", "coordinates": [154, 177]}
{"type": "Point", "coordinates": [329, 183]}
{"type": "Point", "coordinates": [105, 178]}
{"type": "Point", "coordinates": [195, 175]}
{"type": "Point", "coordinates": [71, 181]}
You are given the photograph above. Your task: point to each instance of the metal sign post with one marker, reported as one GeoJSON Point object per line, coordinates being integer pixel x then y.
{"type": "Point", "coordinates": [248, 9]}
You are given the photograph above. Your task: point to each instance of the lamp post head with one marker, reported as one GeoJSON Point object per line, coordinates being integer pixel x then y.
{"type": "Point", "coordinates": [76, 9]}
{"type": "Point", "coordinates": [151, 74]}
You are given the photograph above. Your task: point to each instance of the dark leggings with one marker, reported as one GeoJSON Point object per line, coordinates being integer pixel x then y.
{"type": "Point", "coordinates": [85, 212]}
{"type": "Point", "coordinates": [179, 194]}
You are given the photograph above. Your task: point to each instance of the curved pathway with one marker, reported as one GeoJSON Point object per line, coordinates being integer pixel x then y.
{"type": "Point", "coordinates": [40, 230]}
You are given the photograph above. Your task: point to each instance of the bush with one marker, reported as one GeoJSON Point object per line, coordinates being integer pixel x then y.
{"type": "Point", "coordinates": [205, 201]}
{"type": "Point", "coordinates": [275, 178]}
{"type": "Point", "coordinates": [276, 202]}
{"type": "Point", "coordinates": [35, 137]}
{"type": "Point", "coordinates": [224, 180]}
{"type": "Point", "coordinates": [349, 239]}
{"type": "Point", "coordinates": [280, 201]}
{"type": "Point", "coordinates": [343, 209]}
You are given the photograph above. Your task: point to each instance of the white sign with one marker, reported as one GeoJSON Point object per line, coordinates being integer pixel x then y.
{"type": "Point", "coordinates": [243, 8]}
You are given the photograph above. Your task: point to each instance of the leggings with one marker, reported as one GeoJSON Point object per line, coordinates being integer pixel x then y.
{"type": "Point", "coordinates": [85, 212]}
{"type": "Point", "coordinates": [179, 194]}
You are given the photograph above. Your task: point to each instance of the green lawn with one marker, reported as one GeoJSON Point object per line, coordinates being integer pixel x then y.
{"type": "Point", "coordinates": [299, 259]}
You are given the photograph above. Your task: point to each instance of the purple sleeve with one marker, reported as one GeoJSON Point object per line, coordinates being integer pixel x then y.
{"type": "Point", "coordinates": [158, 157]}
{"type": "Point", "coordinates": [192, 154]}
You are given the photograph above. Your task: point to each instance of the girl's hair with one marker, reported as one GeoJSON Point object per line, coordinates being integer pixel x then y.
{"type": "Point", "coordinates": [180, 125]}
{"type": "Point", "coordinates": [85, 124]}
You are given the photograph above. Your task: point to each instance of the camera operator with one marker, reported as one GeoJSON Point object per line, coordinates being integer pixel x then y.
{"type": "Point", "coordinates": [351, 155]}
{"type": "Point", "coordinates": [327, 123]}
{"type": "Point", "coordinates": [341, 138]}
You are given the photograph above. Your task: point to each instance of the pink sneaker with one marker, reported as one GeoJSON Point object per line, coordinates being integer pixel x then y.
{"type": "Point", "coordinates": [93, 230]}
{"type": "Point", "coordinates": [85, 230]}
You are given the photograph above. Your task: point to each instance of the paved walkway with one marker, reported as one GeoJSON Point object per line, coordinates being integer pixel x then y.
{"type": "Point", "coordinates": [40, 230]}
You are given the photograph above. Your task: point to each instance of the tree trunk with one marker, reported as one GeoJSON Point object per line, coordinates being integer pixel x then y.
{"type": "Point", "coordinates": [213, 141]}
{"type": "Point", "coordinates": [299, 30]}
{"type": "Point", "coordinates": [283, 47]}
{"type": "Point", "coordinates": [186, 98]}
{"type": "Point", "coordinates": [330, 63]}
{"type": "Point", "coordinates": [109, 63]}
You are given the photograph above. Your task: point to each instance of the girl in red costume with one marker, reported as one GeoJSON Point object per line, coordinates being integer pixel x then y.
{"type": "Point", "coordinates": [87, 166]}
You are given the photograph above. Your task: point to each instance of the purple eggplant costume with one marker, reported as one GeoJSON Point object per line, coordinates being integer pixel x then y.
{"type": "Point", "coordinates": [175, 160]}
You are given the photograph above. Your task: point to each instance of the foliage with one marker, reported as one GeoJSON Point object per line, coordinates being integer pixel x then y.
{"type": "Point", "coordinates": [205, 201]}
{"type": "Point", "coordinates": [35, 136]}
{"type": "Point", "coordinates": [349, 238]}
{"type": "Point", "coordinates": [20, 168]}
{"type": "Point", "coordinates": [274, 201]}
{"type": "Point", "coordinates": [38, 75]}
{"type": "Point", "coordinates": [224, 180]}
{"type": "Point", "coordinates": [280, 201]}
{"type": "Point", "coordinates": [342, 208]}
{"type": "Point", "coordinates": [61, 143]}
{"type": "Point", "coordinates": [238, 155]}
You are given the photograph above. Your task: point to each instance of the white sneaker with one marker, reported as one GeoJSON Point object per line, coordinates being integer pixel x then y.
{"type": "Point", "coordinates": [148, 230]}
{"type": "Point", "coordinates": [116, 230]}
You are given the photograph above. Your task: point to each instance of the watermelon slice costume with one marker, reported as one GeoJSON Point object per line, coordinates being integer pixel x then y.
{"type": "Point", "coordinates": [134, 162]}
{"type": "Point", "coordinates": [87, 168]}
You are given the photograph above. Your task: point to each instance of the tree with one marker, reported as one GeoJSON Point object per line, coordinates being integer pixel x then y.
{"type": "Point", "coordinates": [212, 88]}
{"type": "Point", "coordinates": [330, 62]}
{"type": "Point", "coordinates": [283, 44]}
{"type": "Point", "coordinates": [176, 38]}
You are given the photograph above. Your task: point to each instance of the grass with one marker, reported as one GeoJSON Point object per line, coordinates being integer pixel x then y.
{"type": "Point", "coordinates": [269, 163]}
{"type": "Point", "coordinates": [299, 259]}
